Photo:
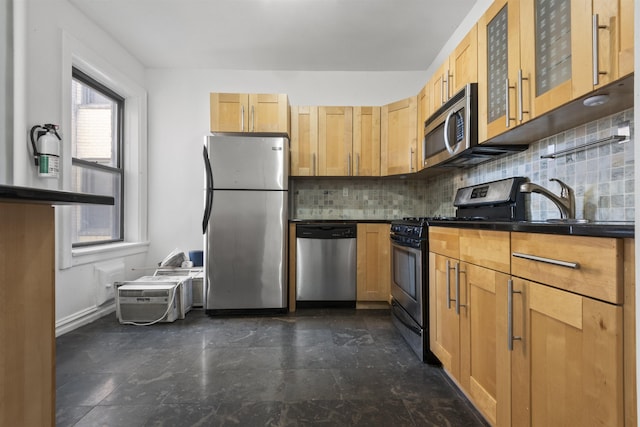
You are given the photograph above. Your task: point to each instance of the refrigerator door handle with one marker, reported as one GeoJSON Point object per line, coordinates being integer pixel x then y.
{"type": "Point", "coordinates": [209, 190]}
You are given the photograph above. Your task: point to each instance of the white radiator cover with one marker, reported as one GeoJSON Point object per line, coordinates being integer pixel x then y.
{"type": "Point", "coordinates": [105, 274]}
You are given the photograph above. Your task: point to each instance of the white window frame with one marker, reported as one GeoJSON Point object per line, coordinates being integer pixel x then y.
{"type": "Point", "coordinates": [76, 54]}
{"type": "Point", "coordinates": [116, 169]}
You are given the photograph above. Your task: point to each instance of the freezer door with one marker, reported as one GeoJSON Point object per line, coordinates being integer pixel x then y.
{"type": "Point", "coordinates": [245, 248]}
{"type": "Point", "coordinates": [249, 162]}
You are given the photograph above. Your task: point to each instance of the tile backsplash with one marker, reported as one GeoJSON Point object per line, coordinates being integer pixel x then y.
{"type": "Point", "coordinates": [602, 177]}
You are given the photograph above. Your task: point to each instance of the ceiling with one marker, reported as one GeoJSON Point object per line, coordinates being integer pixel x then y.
{"type": "Point", "coordinates": [309, 35]}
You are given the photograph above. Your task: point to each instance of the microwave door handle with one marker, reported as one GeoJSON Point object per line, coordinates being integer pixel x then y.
{"type": "Point", "coordinates": [424, 151]}
{"type": "Point", "coordinates": [446, 133]}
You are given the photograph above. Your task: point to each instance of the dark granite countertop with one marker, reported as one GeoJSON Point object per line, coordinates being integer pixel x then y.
{"type": "Point", "coordinates": [12, 193]}
{"type": "Point", "coordinates": [621, 229]}
{"type": "Point", "coordinates": [340, 221]}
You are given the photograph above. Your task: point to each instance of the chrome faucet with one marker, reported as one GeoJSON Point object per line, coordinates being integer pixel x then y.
{"type": "Point", "coordinates": [566, 202]}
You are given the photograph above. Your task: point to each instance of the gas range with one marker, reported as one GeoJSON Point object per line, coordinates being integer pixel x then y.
{"type": "Point", "coordinates": [498, 200]}
{"type": "Point", "coordinates": [409, 231]}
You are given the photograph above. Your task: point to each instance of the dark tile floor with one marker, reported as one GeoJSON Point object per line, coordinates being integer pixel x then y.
{"type": "Point", "coordinates": [331, 367]}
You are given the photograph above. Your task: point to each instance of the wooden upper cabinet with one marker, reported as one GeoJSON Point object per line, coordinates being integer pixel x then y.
{"type": "Point", "coordinates": [335, 141]}
{"type": "Point", "coordinates": [557, 49]}
{"type": "Point", "coordinates": [398, 137]}
{"type": "Point", "coordinates": [614, 20]}
{"type": "Point", "coordinates": [500, 81]}
{"type": "Point", "coordinates": [228, 112]}
{"type": "Point", "coordinates": [269, 113]}
{"type": "Point", "coordinates": [366, 141]}
{"type": "Point", "coordinates": [456, 71]}
{"type": "Point", "coordinates": [463, 62]}
{"type": "Point", "coordinates": [438, 87]}
{"type": "Point", "coordinates": [625, 50]}
{"type": "Point", "coordinates": [241, 112]}
{"type": "Point", "coordinates": [424, 111]}
{"type": "Point", "coordinates": [304, 141]}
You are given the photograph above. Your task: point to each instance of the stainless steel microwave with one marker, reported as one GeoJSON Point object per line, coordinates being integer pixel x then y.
{"type": "Point", "coordinates": [451, 134]}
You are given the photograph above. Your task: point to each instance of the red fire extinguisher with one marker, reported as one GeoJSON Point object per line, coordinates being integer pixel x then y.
{"type": "Point", "coordinates": [45, 141]}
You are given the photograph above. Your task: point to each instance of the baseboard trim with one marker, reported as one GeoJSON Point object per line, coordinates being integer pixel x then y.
{"type": "Point", "coordinates": [82, 318]}
{"type": "Point", "coordinates": [372, 305]}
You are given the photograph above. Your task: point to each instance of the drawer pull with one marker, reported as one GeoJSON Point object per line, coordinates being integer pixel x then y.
{"type": "Point", "coordinates": [573, 265]}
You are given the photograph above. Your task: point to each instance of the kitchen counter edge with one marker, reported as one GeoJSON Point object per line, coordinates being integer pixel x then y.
{"type": "Point", "coordinates": [340, 221]}
{"type": "Point", "coordinates": [590, 229]}
{"type": "Point", "coordinates": [11, 193]}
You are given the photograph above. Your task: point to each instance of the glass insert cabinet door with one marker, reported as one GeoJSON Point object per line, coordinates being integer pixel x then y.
{"type": "Point", "coordinates": [497, 65]}
{"type": "Point", "coordinates": [556, 50]}
{"type": "Point", "coordinates": [502, 93]}
{"type": "Point", "coordinates": [553, 44]}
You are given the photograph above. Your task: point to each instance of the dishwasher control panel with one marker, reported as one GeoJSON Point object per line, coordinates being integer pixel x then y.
{"type": "Point", "coordinates": [326, 231]}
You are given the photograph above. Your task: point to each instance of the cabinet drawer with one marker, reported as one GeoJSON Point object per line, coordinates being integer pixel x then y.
{"type": "Point", "coordinates": [444, 241]}
{"type": "Point", "coordinates": [590, 266]}
{"type": "Point", "coordinates": [486, 248]}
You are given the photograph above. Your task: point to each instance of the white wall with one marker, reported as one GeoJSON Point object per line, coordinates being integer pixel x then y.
{"type": "Point", "coordinates": [41, 65]}
{"type": "Point", "coordinates": [5, 93]}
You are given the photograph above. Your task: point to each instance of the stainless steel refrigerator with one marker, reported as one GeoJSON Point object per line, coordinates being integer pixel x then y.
{"type": "Point", "coordinates": [245, 222]}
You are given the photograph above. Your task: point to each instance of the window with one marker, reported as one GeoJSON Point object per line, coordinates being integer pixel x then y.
{"type": "Point", "coordinates": [97, 124]}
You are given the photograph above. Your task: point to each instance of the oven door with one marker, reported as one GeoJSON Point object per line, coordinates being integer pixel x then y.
{"type": "Point", "coordinates": [407, 280]}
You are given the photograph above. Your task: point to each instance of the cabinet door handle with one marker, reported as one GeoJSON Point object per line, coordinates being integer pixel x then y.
{"type": "Point", "coordinates": [349, 164]}
{"type": "Point", "coordinates": [447, 94]}
{"type": "Point", "coordinates": [411, 168]}
{"type": "Point", "coordinates": [521, 110]}
{"type": "Point", "coordinates": [449, 285]}
{"type": "Point", "coordinates": [253, 119]}
{"type": "Point", "coordinates": [510, 293]}
{"type": "Point", "coordinates": [458, 305]}
{"type": "Point", "coordinates": [242, 118]}
{"type": "Point", "coordinates": [596, 49]}
{"type": "Point", "coordinates": [358, 164]}
{"type": "Point", "coordinates": [314, 164]}
{"type": "Point", "coordinates": [507, 104]}
{"type": "Point", "coordinates": [573, 265]}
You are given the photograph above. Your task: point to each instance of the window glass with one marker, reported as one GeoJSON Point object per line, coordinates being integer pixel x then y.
{"type": "Point", "coordinates": [97, 128]}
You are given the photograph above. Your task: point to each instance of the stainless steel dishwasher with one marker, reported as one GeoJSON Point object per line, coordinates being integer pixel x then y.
{"type": "Point", "coordinates": [326, 265]}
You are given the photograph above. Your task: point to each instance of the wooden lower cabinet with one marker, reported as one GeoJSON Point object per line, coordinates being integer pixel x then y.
{"type": "Point", "coordinates": [373, 262]}
{"type": "Point", "coordinates": [466, 303]}
{"type": "Point", "coordinates": [567, 366]}
{"type": "Point", "coordinates": [27, 319]}
{"type": "Point", "coordinates": [571, 361]}
{"type": "Point", "coordinates": [483, 320]}
{"type": "Point", "coordinates": [444, 322]}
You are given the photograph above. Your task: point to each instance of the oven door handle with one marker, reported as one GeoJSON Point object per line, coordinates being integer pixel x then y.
{"type": "Point", "coordinates": [412, 328]}
{"type": "Point", "coordinates": [414, 251]}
